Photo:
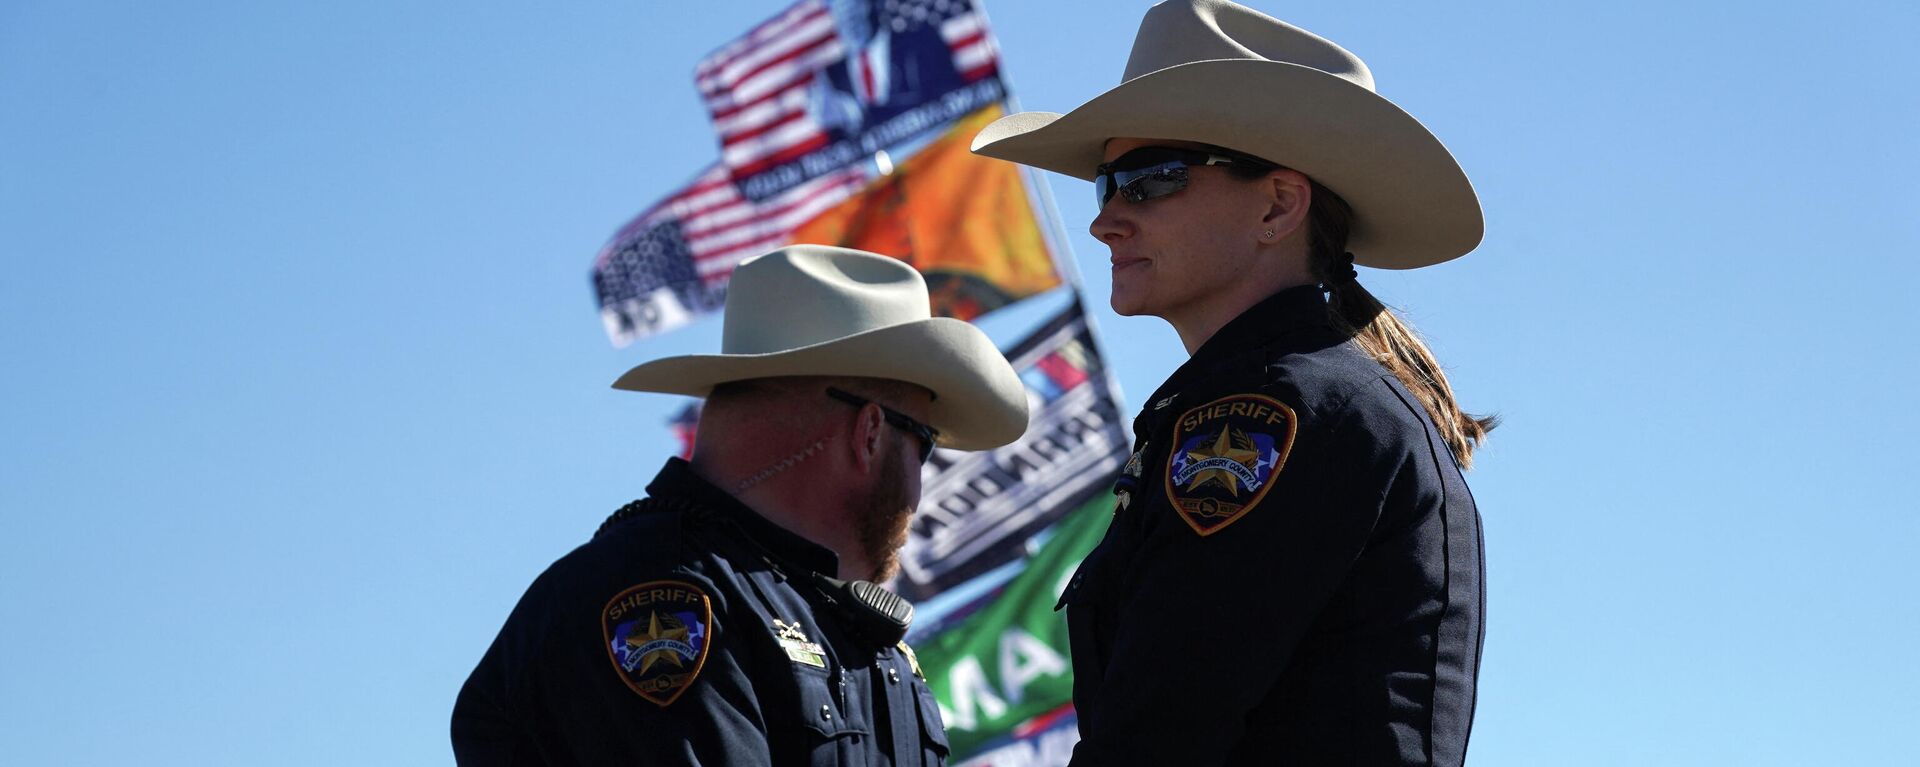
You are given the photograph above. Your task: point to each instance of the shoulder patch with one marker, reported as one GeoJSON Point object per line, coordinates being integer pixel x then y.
{"type": "Point", "coordinates": [657, 635]}
{"type": "Point", "coordinates": [1226, 454]}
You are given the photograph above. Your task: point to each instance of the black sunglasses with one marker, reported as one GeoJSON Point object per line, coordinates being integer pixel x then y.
{"type": "Point", "coordinates": [899, 420]}
{"type": "Point", "coordinates": [1152, 172]}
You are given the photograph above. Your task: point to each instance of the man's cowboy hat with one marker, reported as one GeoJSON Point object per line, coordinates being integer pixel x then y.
{"type": "Point", "coordinates": [812, 310]}
{"type": "Point", "coordinates": [1217, 73]}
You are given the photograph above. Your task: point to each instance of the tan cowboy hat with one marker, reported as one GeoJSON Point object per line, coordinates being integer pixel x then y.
{"type": "Point", "coordinates": [1218, 73]}
{"type": "Point", "coordinates": [812, 310]}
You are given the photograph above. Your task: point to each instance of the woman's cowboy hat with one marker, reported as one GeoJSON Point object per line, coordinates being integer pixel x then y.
{"type": "Point", "coordinates": [1218, 73]}
{"type": "Point", "coordinates": [812, 310]}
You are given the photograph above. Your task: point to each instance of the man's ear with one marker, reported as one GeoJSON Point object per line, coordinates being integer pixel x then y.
{"type": "Point", "coordinates": [865, 442]}
{"type": "Point", "coordinates": [1289, 196]}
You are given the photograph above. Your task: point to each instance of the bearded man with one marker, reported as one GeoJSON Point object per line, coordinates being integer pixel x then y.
{"type": "Point", "coordinates": [732, 616]}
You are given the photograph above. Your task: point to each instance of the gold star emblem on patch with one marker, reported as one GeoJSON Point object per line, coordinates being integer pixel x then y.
{"type": "Point", "coordinates": [656, 632]}
{"type": "Point", "coordinates": [1222, 447]}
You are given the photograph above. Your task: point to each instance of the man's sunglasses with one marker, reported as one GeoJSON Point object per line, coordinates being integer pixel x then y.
{"type": "Point", "coordinates": [1152, 172]}
{"type": "Point", "coordinates": [899, 420]}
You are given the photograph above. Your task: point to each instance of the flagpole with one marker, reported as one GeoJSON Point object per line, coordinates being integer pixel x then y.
{"type": "Point", "coordinates": [1061, 253]}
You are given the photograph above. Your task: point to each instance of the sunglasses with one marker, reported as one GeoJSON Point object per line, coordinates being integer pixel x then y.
{"type": "Point", "coordinates": [897, 419]}
{"type": "Point", "coordinates": [1152, 172]}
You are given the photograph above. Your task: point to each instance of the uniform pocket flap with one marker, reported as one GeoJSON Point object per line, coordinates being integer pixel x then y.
{"type": "Point", "coordinates": [821, 710]}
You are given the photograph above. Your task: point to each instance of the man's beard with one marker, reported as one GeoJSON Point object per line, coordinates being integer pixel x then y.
{"type": "Point", "coordinates": [882, 525]}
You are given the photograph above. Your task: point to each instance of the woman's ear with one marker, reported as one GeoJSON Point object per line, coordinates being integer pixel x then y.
{"type": "Point", "coordinates": [1289, 195]}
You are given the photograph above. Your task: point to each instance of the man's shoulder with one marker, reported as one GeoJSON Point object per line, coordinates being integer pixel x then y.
{"type": "Point", "coordinates": [634, 553]}
{"type": "Point", "coordinates": [649, 539]}
{"type": "Point", "coordinates": [632, 615]}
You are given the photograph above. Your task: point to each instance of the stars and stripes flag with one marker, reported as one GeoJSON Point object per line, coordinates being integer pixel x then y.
{"type": "Point", "coordinates": [669, 265]}
{"type": "Point", "coordinates": [802, 104]}
{"type": "Point", "coordinates": [831, 81]}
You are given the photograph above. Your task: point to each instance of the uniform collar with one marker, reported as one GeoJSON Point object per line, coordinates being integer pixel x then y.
{"type": "Point", "coordinates": [678, 479]}
{"type": "Point", "coordinates": [1284, 313]}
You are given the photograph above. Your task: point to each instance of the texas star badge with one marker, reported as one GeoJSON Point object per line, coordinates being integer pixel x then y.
{"type": "Point", "coordinates": [1226, 455]}
{"type": "Point", "coordinates": [657, 635]}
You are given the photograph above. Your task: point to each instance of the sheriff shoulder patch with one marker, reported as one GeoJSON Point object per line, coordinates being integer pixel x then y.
{"type": "Point", "coordinates": [1226, 454]}
{"type": "Point", "coordinates": [657, 635]}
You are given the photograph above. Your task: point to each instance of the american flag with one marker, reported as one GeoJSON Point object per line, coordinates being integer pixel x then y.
{"type": "Point", "coordinates": [670, 263]}
{"type": "Point", "coordinates": [766, 89]}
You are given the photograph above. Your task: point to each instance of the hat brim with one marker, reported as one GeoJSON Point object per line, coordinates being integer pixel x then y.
{"type": "Point", "coordinates": [1413, 204]}
{"type": "Point", "coordinates": [979, 403]}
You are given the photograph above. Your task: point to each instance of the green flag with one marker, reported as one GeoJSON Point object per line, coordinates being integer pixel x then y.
{"type": "Point", "coordinates": [1008, 662]}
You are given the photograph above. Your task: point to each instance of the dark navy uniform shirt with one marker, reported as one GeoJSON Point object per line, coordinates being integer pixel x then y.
{"type": "Point", "coordinates": [683, 634]}
{"type": "Point", "coordinates": [1293, 572]}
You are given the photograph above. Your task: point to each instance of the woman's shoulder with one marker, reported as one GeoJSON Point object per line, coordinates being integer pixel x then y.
{"type": "Point", "coordinates": [1329, 383]}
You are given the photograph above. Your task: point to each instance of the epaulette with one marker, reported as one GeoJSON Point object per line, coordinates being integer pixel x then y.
{"type": "Point", "coordinates": [643, 506]}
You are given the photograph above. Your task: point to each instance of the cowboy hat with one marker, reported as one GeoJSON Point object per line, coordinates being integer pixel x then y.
{"type": "Point", "coordinates": [813, 310]}
{"type": "Point", "coordinates": [1218, 73]}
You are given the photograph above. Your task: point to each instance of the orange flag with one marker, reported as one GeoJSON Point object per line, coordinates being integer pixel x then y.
{"type": "Point", "coordinates": [963, 220]}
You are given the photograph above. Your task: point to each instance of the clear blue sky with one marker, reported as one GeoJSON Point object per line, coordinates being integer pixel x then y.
{"type": "Point", "coordinates": [303, 380]}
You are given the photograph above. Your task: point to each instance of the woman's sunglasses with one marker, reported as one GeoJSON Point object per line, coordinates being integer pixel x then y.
{"type": "Point", "coordinates": [1152, 172]}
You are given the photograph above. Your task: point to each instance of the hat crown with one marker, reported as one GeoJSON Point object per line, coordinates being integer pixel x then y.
{"type": "Point", "coordinates": [803, 295]}
{"type": "Point", "coordinates": [1179, 32]}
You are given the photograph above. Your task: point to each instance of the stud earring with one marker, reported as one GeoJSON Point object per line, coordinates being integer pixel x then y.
{"type": "Point", "coordinates": [1269, 234]}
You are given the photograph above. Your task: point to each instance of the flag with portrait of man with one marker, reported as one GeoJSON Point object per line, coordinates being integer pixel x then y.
{"type": "Point", "coordinates": [839, 122]}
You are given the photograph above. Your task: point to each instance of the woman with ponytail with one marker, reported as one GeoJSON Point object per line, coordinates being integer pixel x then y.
{"type": "Point", "coordinates": [1293, 573]}
{"type": "Point", "coordinates": [1380, 333]}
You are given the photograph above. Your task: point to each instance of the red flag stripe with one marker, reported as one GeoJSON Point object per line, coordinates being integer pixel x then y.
{"type": "Point", "coordinates": [792, 152]}
{"type": "Point", "coordinates": [763, 129]}
{"type": "Point", "coordinates": [763, 112]}
{"type": "Point", "coordinates": [769, 29]}
{"type": "Point", "coordinates": [835, 187]}
{"type": "Point", "coordinates": [788, 74]}
{"type": "Point", "coordinates": [730, 110]}
{"type": "Point", "coordinates": [741, 154]}
{"type": "Point", "coordinates": [761, 59]}
{"type": "Point", "coordinates": [718, 265]}
{"type": "Point", "coordinates": [971, 39]}
{"type": "Point", "coordinates": [780, 218]}
{"type": "Point", "coordinates": [964, 25]}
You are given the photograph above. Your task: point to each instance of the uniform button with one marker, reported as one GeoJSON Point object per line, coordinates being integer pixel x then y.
{"type": "Point", "coordinates": [893, 676]}
{"type": "Point", "coordinates": [826, 713]}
